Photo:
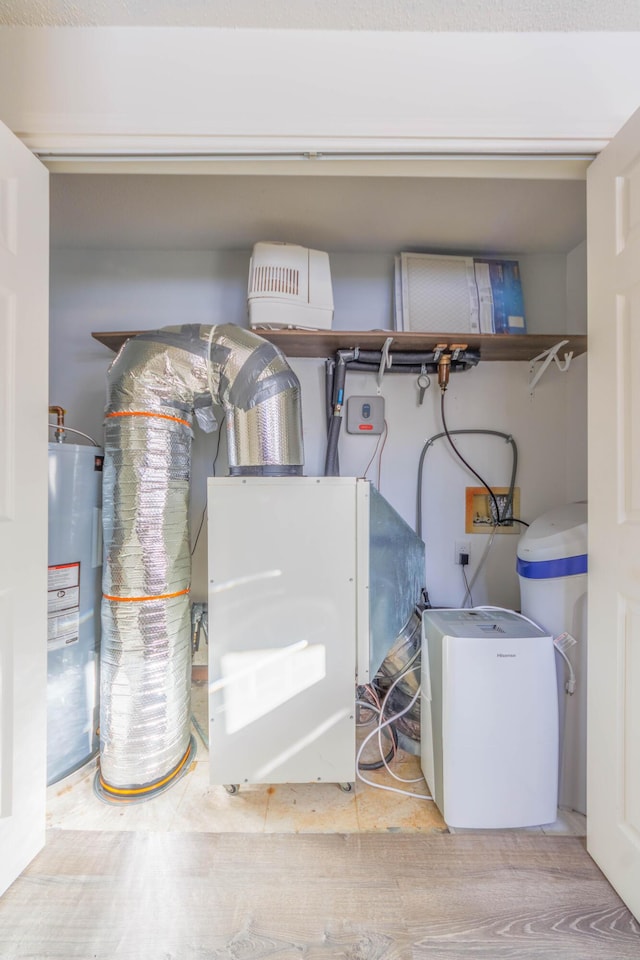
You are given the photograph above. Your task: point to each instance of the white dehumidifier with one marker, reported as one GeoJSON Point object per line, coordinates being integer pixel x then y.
{"type": "Point", "coordinates": [489, 725]}
{"type": "Point", "coordinates": [289, 286]}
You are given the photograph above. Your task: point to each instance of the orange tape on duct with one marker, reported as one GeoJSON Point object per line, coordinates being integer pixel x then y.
{"type": "Point", "coordinates": [137, 791]}
{"type": "Point", "coordinates": [143, 413]}
{"type": "Point", "coordinates": [162, 596]}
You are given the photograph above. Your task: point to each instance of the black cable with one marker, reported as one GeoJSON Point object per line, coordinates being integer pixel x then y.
{"type": "Point", "coordinates": [213, 467]}
{"type": "Point", "coordinates": [468, 465]}
{"type": "Point", "coordinates": [468, 593]}
{"type": "Point", "coordinates": [199, 530]}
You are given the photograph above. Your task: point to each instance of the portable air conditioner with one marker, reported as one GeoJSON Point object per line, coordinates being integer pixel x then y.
{"type": "Point", "coordinates": [289, 286]}
{"type": "Point", "coordinates": [489, 718]}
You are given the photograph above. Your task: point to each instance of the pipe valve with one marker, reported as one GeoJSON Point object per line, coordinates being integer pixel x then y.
{"type": "Point", "coordinates": [444, 368]}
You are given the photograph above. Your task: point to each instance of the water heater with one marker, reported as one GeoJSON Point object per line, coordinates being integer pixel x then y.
{"type": "Point", "coordinates": [73, 608]}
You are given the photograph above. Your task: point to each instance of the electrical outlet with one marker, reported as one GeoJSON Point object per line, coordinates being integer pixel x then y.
{"type": "Point", "coordinates": [461, 546]}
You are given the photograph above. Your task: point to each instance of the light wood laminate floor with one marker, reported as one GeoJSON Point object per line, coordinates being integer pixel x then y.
{"type": "Point", "coordinates": [303, 871]}
{"type": "Point", "coordinates": [195, 896]}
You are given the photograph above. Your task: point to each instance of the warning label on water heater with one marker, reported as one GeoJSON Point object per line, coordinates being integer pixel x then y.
{"type": "Point", "coordinates": [63, 608]}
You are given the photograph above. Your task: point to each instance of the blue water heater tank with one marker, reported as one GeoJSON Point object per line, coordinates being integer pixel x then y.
{"type": "Point", "coordinates": [74, 593]}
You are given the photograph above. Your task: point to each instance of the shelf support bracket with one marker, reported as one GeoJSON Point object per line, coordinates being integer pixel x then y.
{"type": "Point", "coordinates": [545, 359]}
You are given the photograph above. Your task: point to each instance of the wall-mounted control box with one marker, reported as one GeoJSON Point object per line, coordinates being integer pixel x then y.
{"type": "Point", "coordinates": [365, 415]}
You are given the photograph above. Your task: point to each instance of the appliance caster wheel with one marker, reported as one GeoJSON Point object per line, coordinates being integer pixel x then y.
{"type": "Point", "coordinates": [346, 787]}
{"type": "Point", "coordinates": [232, 788]}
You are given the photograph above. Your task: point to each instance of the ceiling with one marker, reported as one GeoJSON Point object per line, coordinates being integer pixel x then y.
{"type": "Point", "coordinates": [339, 214]}
{"type": "Point", "coordinates": [336, 213]}
{"type": "Point", "coordinates": [421, 15]}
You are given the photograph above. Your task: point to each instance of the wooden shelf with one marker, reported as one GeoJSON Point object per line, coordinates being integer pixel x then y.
{"type": "Point", "coordinates": [325, 343]}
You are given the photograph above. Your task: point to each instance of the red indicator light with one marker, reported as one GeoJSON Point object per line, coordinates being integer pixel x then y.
{"type": "Point", "coordinates": [365, 426]}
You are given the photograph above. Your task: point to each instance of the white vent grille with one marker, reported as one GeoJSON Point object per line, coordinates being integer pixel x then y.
{"type": "Point", "coordinates": [283, 281]}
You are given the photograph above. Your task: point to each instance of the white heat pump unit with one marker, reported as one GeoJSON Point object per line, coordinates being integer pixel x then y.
{"type": "Point", "coordinates": [289, 286]}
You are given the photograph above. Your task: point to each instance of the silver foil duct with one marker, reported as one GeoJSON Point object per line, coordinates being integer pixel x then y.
{"type": "Point", "coordinates": [156, 385]}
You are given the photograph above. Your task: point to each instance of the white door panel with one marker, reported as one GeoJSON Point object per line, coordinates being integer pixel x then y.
{"type": "Point", "coordinates": [613, 793]}
{"type": "Point", "coordinates": [24, 266]}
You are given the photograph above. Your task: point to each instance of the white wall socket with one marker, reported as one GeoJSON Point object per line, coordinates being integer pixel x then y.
{"type": "Point", "coordinates": [461, 546]}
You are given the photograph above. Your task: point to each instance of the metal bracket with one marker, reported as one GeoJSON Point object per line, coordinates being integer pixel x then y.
{"type": "Point", "coordinates": [385, 362]}
{"type": "Point", "coordinates": [456, 350]}
{"type": "Point", "coordinates": [437, 351]}
{"type": "Point", "coordinates": [545, 358]}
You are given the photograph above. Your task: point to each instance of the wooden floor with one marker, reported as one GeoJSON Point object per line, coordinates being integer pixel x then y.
{"type": "Point", "coordinates": [172, 896]}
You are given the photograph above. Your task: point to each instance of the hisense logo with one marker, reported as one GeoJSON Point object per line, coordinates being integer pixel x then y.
{"type": "Point", "coordinates": [503, 655]}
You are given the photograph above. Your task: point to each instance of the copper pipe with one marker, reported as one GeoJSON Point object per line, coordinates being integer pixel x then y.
{"type": "Point", "coordinates": [59, 412]}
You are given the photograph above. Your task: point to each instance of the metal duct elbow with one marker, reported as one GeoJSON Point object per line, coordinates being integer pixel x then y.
{"type": "Point", "coordinates": [156, 385]}
{"type": "Point", "coordinates": [260, 393]}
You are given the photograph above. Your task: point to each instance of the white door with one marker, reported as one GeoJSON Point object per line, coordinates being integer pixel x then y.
{"type": "Point", "coordinates": [613, 790]}
{"type": "Point", "coordinates": [24, 333]}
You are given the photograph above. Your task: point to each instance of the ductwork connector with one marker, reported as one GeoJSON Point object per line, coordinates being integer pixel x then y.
{"type": "Point", "coordinates": [156, 385]}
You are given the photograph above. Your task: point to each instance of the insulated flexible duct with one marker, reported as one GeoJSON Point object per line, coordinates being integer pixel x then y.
{"type": "Point", "coordinates": [156, 385]}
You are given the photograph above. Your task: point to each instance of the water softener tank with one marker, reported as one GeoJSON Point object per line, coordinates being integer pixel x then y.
{"type": "Point", "coordinates": [552, 570]}
{"type": "Point", "coordinates": [74, 592]}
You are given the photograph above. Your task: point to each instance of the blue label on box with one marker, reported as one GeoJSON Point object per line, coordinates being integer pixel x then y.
{"type": "Point", "coordinates": [506, 295]}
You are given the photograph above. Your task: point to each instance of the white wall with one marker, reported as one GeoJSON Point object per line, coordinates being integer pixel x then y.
{"type": "Point", "coordinates": [111, 290]}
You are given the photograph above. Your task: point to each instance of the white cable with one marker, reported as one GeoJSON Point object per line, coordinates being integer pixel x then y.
{"type": "Point", "coordinates": [377, 712]}
{"type": "Point", "coordinates": [392, 719]}
{"type": "Point", "coordinates": [385, 723]}
{"type": "Point", "coordinates": [55, 426]}
{"type": "Point", "coordinates": [570, 685]}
